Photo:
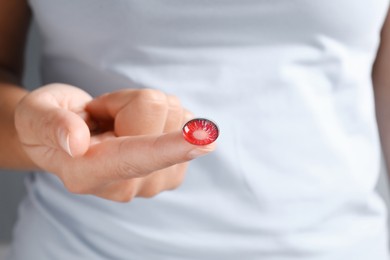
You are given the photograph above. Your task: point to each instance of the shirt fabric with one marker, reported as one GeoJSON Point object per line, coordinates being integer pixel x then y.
{"type": "Point", "coordinates": [288, 83]}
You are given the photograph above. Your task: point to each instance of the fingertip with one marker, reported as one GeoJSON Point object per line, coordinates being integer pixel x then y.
{"type": "Point", "coordinates": [176, 146]}
{"type": "Point", "coordinates": [79, 139]}
{"type": "Point", "coordinates": [199, 151]}
{"type": "Point", "coordinates": [73, 134]}
{"type": "Point", "coordinates": [64, 141]}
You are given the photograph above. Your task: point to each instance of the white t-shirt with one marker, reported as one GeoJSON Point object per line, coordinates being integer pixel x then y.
{"type": "Point", "coordinates": [289, 84]}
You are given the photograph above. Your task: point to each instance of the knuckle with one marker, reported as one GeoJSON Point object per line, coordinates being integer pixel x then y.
{"type": "Point", "coordinates": [72, 183]}
{"type": "Point", "coordinates": [126, 191]}
{"type": "Point", "coordinates": [126, 170]}
{"type": "Point", "coordinates": [175, 109]}
{"type": "Point", "coordinates": [149, 193]}
{"type": "Point", "coordinates": [124, 198]}
{"type": "Point", "coordinates": [152, 96]}
{"type": "Point", "coordinates": [151, 189]}
{"type": "Point", "coordinates": [74, 187]}
{"type": "Point", "coordinates": [128, 194]}
{"type": "Point", "coordinates": [174, 102]}
{"type": "Point", "coordinates": [115, 198]}
{"type": "Point", "coordinates": [176, 182]}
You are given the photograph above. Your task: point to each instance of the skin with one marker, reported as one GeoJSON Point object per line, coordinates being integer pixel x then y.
{"type": "Point", "coordinates": [136, 147]}
{"type": "Point", "coordinates": [381, 81]}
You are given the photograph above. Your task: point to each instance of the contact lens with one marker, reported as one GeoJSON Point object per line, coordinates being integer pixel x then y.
{"type": "Point", "coordinates": [200, 131]}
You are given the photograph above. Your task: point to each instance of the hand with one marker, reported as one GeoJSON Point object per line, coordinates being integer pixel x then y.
{"type": "Point", "coordinates": [138, 151]}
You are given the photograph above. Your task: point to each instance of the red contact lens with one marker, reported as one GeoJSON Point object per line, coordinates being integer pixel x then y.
{"type": "Point", "coordinates": [200, 131]}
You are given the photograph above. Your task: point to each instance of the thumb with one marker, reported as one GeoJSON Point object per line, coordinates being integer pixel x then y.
{"type": "Point", "coordinates": [137, 156]}
{"type": "Point", "coordinates": [44, 119]}
{"type": "Point", "coordinates": [68, 132]}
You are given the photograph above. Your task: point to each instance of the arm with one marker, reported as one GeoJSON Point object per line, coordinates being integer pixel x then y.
{"type": "Point", "coordinates": [14, 23]}
{"type": "Point", "coordinates": [381, 81]}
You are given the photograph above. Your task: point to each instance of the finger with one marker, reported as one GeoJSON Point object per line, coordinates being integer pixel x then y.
{"type": "Point", "coordinates": [108, 105]}
{"type": "Point", "coordinates": [130, 157]}
{"type": "Point", "coordinates": [166, 179]}
{"type": "Point", "coordinates": [175, 114]}
{"type": "Point", "coordinates": [146, 114]}
{"type": "Point", "coordinates": [152, 184]}
{"type": "Point", "coordinates": [176, 178]}
{"type": "Point", "coordinates": [120, 191]}
{"type": "Point", "coordinates": [146, 187]}
{"type": "Point", "coordinates": [135, 111]}
{"type": "Point", "coordinates": [48, 117]}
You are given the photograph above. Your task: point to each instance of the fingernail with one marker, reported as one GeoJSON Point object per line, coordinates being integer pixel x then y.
{"type": "Point", "coordinates": [64, 141]}
{"type": "Point", "coordinates": [197, 153]}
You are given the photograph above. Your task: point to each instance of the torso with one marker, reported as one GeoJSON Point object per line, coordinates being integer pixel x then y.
{"type": "Point", "coordinates": [288, 83]}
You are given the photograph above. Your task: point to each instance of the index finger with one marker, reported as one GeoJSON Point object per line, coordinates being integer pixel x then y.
{"type": "Point", "coordinates": [137, 156]}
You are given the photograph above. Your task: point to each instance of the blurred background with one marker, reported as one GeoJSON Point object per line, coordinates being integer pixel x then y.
{"type": "Point", "coordinates": [11, 183]}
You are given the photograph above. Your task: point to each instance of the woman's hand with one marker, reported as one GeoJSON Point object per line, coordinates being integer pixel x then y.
{"type": "Point", "coordinates": [138, 148]}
